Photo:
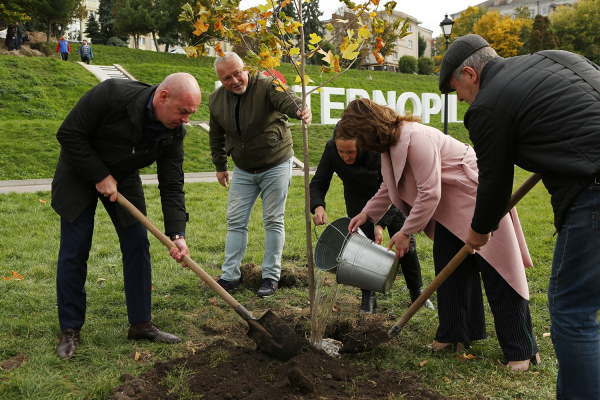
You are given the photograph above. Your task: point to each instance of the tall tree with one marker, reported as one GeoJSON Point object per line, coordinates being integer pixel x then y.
{"type": "Point", "coordinates": [132, 17]}
{"type": "Point", "coordinates": [106, 21]}
{"type": "Point", "coordinates": [422, 43]}
{"type": "Point", "coordinates": [578, 27]}
{"type": "Point", "coordinates": [93, 29]}
{"type": "Point", "coordinates": [502, 33]}
{"type": "Point", "coordinates": [463, 25]}
{"type": "Point", "coordinates": [542, 36]}
{"type": "Point", "coordinates": [12, 10]}
{"type": "Point", "coordinates": [51, 12]}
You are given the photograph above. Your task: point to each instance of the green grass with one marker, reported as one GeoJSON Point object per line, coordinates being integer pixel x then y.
{"type": "Point", "coordinates": [29, 321]}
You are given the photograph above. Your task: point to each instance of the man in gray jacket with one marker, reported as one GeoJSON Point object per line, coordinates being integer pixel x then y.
{"type": "Point", "coordinates": [248, 120]}
{"type": "Point", "coordinates": [114, 130]}
{"type": "Point", "coordinates": [541, 112]}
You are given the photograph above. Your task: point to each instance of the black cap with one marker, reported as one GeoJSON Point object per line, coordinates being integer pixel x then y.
{"type": "Point", "coordinates": [458, 52]}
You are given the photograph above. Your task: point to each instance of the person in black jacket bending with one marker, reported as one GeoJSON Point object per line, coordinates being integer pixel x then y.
{"type": "Point", "coordinates": [360, 172]}
{"type": "Point", "coordinates": [114, 130]}
{"type": "Point", "coordinates": [541, 111]}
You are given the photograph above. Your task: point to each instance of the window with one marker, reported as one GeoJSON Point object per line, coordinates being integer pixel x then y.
{"type": "Point", "coordinates": [409, 28]}
{"type": "Point", "coordinates": [395, 56]}
{"type": "Point", "coordinates": [410, 44]}
{"type": "Point", "coordinates": [142, 41]}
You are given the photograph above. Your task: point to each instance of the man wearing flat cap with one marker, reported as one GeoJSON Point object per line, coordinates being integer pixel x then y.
{"type": "Point", "coordinates": [541, 112]}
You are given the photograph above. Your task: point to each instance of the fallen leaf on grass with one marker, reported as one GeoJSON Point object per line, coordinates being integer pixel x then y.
{"type": "Point", "coordinates": [422, 363]}
{"type": "Point", "coordinates": [43, 201]}
{"type": "Point", "coordinates": [15, 276]}
{"type": "Point", "coordinates": [13, 362]}
{"type": "Point", "coordinates": [464, 357]}
{"type": "Point", "coordinates": [137, 356]}
{"type": "Point", "coordinates": [447, 380]}
{"type": "Point", "coordinates": [335, 308]}
{"type": "Point", "coordinates": [100, 280]}
{"type": "Point", "coordinates": [213, 301]}
{"type": "Point", "coordinates": [547, 334]}
{"type": "Point", "coordinates": [168, 295]}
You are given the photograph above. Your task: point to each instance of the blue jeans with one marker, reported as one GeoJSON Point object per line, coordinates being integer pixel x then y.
{"type": "Point", "coordinates": [574, 299]}
{"type": "Point", "coordinates": [272, 185]}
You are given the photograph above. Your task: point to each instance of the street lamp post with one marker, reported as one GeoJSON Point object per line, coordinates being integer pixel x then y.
{"type": "Point", "coordinates": [446, 26]}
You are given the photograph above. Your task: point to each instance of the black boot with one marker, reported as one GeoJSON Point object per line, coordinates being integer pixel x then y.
{"type": "Point", "coordinates": [369, 302]}
{"type": "Point", "coordinates": [415, 293]}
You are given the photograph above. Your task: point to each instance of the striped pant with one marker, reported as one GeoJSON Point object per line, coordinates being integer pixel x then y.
{"type": "Point", "coordinates": [460, 302]}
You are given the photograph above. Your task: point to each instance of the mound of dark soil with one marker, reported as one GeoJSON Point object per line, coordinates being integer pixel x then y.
{"type": "Point", "coordinates": [224, 371]}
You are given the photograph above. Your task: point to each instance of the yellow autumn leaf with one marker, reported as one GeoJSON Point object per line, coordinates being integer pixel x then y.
{"type": "Point", "coordinates": [293, 27]}
{"type": "Point", "coordinates": [137, 356]}
{"type": "Point", "coordinates": [330, 28]}
{"type": "Point", "coordinates": [298, 79]}
{"type": "Point", "coordinates": [219, 50]}
{"type": "Point", "coordinates": [364, 33]}
{"type": "Point", "coordinates": [294, 51]}
{"type": "Point", "coordinates": [201, 27]}
{"type": "Point", "coordinates": [344, 45]}
{"type": "Point", "coordinates": [17, 276]}
{"type": "Point", "coordinates": [319, 90]}
{"type": "Point", "coordinates": [219, 25]}
{"type": "Point", "coordinates": [372, 14]}
{"type": "Point", "coordinates": [327, 57]}
{"type": "Point", "coordinates": [422, 363]}
{"type": "Point", "coordinates": [350, 53]}
{"type": "Point", "coordinates": [191, 51]}
{"type": "Point", "coordinates": [246, 27]}
{"type": "Point", "coordinates": [43, 201]}
{"type": "Point", "coordinates": [376, 2]}
{"type": "Point", "coordinates": [314, 38]}
{"type": "Point", "coordinates": [267, 60]}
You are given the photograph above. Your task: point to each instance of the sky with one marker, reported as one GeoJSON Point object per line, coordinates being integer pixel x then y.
{"type": "Point", "coordinates": [429, 12]}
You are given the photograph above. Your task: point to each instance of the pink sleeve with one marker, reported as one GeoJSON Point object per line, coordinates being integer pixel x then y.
{"type": "Point", "coordinates": [378, 205]}
{"type": "Point", "coordinates": [424, 161]}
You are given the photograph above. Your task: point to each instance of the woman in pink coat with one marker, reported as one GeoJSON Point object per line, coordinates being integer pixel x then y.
{"type": "Point", "coordinates": [432, 178]}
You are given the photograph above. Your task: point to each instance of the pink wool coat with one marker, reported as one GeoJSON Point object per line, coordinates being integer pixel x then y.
{"type": "Point", "coordinates": [433, 177]}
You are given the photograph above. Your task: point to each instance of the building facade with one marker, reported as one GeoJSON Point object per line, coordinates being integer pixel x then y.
{"type": "Point", "coordinates": [509, 7]}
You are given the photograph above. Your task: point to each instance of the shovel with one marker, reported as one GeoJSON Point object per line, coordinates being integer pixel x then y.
{"type": "Point", "coordinates": [270, 333]}
{"type": "Point", "coordinates": [455, 262]}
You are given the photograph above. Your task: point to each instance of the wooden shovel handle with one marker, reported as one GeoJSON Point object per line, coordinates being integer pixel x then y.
{"type": "Point", "coordinates": [186, 259]}
{"type": "Point", "coordinates": [455, 262]}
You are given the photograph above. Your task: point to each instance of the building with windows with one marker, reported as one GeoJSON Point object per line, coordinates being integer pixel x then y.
{"type": "Point", "coordinates": [509, 7]}
{"type": "Point", "coordinates": [75, 30]}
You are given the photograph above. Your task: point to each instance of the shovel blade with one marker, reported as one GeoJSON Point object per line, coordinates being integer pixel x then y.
{"type": "Point", "coordinates": [281, 342]}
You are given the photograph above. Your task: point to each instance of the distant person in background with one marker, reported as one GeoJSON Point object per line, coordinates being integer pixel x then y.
{"type": "Point", "coordinates": [20, 31]}
{"type": "Point", "coordinates": [85, 52]}
{"type": "Point", "coordinates": [11, 34]}
{"type": "Point", "coordinates": [369, 77]}
{"type": "Point", "coordinates": [63, 48]}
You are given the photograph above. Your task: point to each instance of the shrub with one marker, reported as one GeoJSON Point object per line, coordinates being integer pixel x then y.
{"type": "Point", "coordinates": [46, 48]}
{"type": "Point", "coordinates": [115, 41]}
{"type": "Point", "coordinates": [407, 65]}
{"type": "Point", "coordinates": [426, 66]}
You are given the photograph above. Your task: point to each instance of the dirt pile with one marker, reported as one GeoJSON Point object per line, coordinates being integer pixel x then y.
{"type": "Point", "coordinates": [225, 371]}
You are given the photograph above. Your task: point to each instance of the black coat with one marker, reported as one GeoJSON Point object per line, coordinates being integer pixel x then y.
{"type": "Point", "coordinates": [361, 181]}
{"type": "Point", "coordinates": [541, 116]}
{"type": "Point", "coordinates": [104, 135]}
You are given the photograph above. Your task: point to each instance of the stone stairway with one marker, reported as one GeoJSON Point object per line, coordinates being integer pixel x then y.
{"type": "Point", "coordinates": [104, 72]}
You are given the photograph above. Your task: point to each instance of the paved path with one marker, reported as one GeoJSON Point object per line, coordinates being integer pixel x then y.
{"type": "Point", "coordinates": [104, 72]}
{"type": "Point", "coordinates": [34, 185]}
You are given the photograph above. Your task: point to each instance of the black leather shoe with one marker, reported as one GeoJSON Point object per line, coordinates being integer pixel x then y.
{"type": "Point", "coordinates": [369, 302]}
{"type": "Point", "coordinates": [415, 293]}
{"type": "Point", "coordinates": [68, 343]}
{"type": "Point", "coordinates": [149, 331]}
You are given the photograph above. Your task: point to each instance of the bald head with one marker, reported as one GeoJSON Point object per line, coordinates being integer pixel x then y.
{"type": "Point", "coordinates": [175, 99]}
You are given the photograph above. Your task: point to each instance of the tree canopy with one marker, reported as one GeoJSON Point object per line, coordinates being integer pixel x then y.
{"type": "Point", "coordinates": [578, 27]}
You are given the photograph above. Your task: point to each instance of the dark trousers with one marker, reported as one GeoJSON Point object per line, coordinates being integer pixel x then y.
{"type": "Point", "coordinates": [18, 42]}
{"type": "Point", "coordinates": [64, 56]}
{"type": "Point", "coordinates": [85, 60]}
{"type": "Point", "coordinates": [75, 245]}
{"type": "Point", "coordinates": [409, 264]}
{"type": "Point", "coordinates": [460, 302]}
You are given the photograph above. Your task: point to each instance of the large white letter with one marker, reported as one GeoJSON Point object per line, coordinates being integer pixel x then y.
{"type": "Point", "coordinates": [352, 94]}
{"type": "Point", "coordinates": [452, 108]}
{"type": "Point", "coordinates": [298, 89]}
{"type": "Point", "coordinates": [401, 103]}
{"type": "Point", "coordinates": [327, 105]}
{"type": "Point", "coordinates": [428, 108]}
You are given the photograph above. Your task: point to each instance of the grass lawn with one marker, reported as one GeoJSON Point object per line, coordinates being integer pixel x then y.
{"type": "Point", "coordinates": [29, 318]}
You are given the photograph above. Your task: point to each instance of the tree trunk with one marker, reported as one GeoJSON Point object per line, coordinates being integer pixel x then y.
{"type": "Point", "coordinates": [48, 32]}
{"type": "Point", "coordinates": [155, 42]}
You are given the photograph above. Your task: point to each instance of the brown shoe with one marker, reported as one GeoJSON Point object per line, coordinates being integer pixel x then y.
{"type": "Point", "coordinates": [68, 343]}
{"type": "Point", "coordinates": [149, 331]}
{"type": "Point", "coordinates": [523, 365]}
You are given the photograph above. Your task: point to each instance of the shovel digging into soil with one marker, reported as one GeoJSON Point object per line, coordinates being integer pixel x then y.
{"type": "Point", "coordinates": [270, 333]}
{"type": "Point", "coordinates": [368, 339]}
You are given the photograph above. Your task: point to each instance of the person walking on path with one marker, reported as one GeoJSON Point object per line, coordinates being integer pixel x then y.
{"type": "Point", "coordinates": [63, 48]}
{"type": "Point", "coordinates": [85, 52]}
{"type": "Point", "coordinates": [432, 178]}
{"type": "Point", "coordinates": [248, 120]}
{"type": "Point", "coordinates": [541, 111]}
{"type": "Point", "coordinates": [360, 172]}
{"type": "Point", "coordinates": [114, 130]}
